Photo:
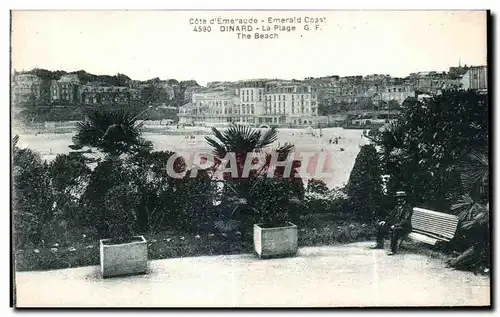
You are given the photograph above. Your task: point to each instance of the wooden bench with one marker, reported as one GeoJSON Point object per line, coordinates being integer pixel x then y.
{"type": "Point", "coordinates": [430, 226]}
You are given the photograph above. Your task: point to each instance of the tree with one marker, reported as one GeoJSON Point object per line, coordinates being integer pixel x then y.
{"type": "Point", "coordinates": [474, 212]}
{"type": "Point", "coordinates": [112, 132]}
{"type": "Point", "coordinates": [393, 105]}
{"type": "Point", "coordinates": [32, 196]}
{"type": "Point", "coordinates": [421, 150]}
{"type": "Point", "coordinates": [153, 95]}
{"type": "Point", "coordinates": [240, 140]}
{"type": "Point", "coordinates": [317, 186]}
{"type": "Point", "coordinates": [69, 176]}
{"type": "Point", "coordinates": [364, 187]}
{"type": "Point", "coordinates": [237, 191]}
{"type": "Point", "coordinates": [120, 203]}
{"type": "Point", "coordinates": [437, 152]}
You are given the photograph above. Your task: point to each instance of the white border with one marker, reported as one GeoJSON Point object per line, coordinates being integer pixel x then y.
{"type": "Point", "coordinates": [185, 4]}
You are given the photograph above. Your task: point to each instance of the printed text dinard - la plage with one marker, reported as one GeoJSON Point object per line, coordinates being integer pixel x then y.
{"type": "Point", "coordinates": [252, 28]}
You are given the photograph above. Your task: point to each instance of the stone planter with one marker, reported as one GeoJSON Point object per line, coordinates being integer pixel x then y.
{"type": "Point", "coordinates": [275, 241]}
{"type": "Point", "coordinates": [124, 258]}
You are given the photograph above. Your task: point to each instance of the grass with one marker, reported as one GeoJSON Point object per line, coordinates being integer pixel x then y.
{"type": "Point", "coordinates": [84, 251]}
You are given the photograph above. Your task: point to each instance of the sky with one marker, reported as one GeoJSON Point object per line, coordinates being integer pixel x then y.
{"type": "Point", "coordinates": [149, 44]}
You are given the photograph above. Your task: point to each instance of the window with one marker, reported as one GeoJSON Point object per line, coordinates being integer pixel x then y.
{"type": "Point", "coordinates": [274, 97]}
{"type": "Point", "coordinates": [252, 109]}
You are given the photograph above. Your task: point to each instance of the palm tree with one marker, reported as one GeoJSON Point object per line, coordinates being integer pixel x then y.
{"type": "Point", "coordinates": [473, 210]}
{"type": "Point", "coordinates": [112, 132]}
{"type": "Point", "coordinates": [242, 140]}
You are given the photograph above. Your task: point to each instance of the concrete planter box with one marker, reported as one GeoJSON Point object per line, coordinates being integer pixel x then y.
{"type": "Point", "coordinates": [275, 242]}
{"type": "Point", "coordinates": [124, 258]}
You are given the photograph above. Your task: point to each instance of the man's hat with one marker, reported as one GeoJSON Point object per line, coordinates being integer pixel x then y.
{"type": "Point", "coordinates": [400, 194]}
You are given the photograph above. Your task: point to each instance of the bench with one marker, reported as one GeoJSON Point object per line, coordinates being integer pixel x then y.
{"type": "Point", "coordinates": [431, 227]}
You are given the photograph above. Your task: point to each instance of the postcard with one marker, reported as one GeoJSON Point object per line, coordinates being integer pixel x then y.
{"type": "Point", "coordinates": [251, 158]}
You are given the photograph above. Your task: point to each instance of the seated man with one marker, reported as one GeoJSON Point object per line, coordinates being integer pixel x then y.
{"type": "Point", "coordinates": [397, 223]}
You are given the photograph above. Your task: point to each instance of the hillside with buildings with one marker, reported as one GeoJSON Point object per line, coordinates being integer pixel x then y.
{"type": "Point", "coordinates": [42, 95]}
{"type": "Point", "coordinates": [323, 101]}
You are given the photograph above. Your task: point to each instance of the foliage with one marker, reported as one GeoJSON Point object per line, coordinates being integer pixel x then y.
{"type": "Point", "coordinates": [112, 132]}
{"type": "Point", "coordinates": [154, 95]}
{"type": "Point", "coordinates": [69, 175]}
{"type": "Point", "coordinates": [173, 243]}
{"type": "Point", "coordinates": [47, 74]}
{"type": "Point", "coordinates": [240, 140]}
{"type": "Point", "coordinates": [319, 199]}
{"type": "Point", "coordinates": [66, 169]}
{"type": "Point", "coordinates": [436, 152]}
{"type": "Point", "coordinates": [157, 188]}
{"type": "Point", "coordinates": [421, 150]}
{"type": "Point", "coordinates": [364, 187]}
{"type": "Point", "coordinates": [167, 201]}
{"type": "Point", "coordinates": [195, 205]}
{"type": "Point", "coordinates": [474, 212]}
{"type": "Point", "coordinates": [32, 196]}
{"type": "Point", "coordinates": [118, 80]}
{"type": "Point", "coordinates": [276, 200]}
{"type": "Point", "coordinates": [120, 203]}
{"type": "Point", "coordinates": [83, 76]}
{"type": "Point", "coordinates": [243, 199]}
{"type": "Point", "coordinates": [317, 186]}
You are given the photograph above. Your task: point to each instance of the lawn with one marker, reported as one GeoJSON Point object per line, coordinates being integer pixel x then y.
{"type": "Point", "coordinates": [83, 250]}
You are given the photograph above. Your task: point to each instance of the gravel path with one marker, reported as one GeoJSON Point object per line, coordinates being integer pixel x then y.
{"type": "Point", "coordinates": [336, 276]}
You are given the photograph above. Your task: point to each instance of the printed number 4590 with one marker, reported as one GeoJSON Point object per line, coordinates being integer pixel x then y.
{"type": "Point", "coordinates": [202, 28]}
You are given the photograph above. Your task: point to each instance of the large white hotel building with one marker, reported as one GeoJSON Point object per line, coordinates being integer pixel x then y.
{"type": "Point", "coordinates": [253, 102]}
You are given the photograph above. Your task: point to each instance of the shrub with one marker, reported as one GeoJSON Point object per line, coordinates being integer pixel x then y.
{"type": "Point", "coordinates": [431, 136]}
{"type": "Point", "coordinates": [365, 184]}
{"type": "Point", "coordinates": [107, 174]}
{"type": "Point", "coordinates": [320, 199]}
{"type": "Point", "coordinates": [331, 202]}
{"type": "Point", "coordinates": [120, 204]}
{"type": "Point", "coordinates": [194, 201]}
{"type": "Point", "coordinates": [69, 175]}
{"type": "Point", "coordinates": [424, 154]}
{"type": "Point", "coordinates": [32, 197]}
{"type": "Point", "coordinates": [158, 191]}
{"type": "Point", "coordinates": [277, 200]}
{"type": "Point", "coordinates": [317, 186]}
